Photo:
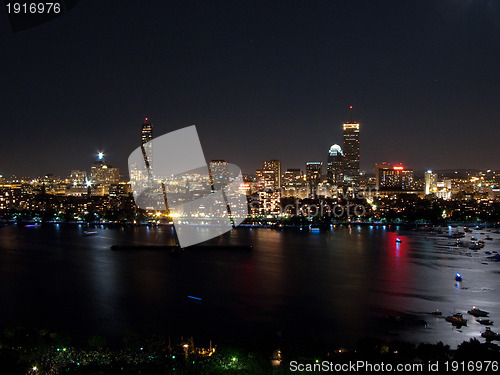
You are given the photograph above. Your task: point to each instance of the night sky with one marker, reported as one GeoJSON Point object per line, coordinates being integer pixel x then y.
{"type": "Point", "coordinates": [260, 79]}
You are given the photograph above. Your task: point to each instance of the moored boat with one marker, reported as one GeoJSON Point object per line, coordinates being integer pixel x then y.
{"type": "Point", "coordinates": [477, 312]}
{"type": "Point", "coordinates": [490, 335]}
{"type": "Point", "coordinates": [456, 319]}
{"type": "Point", "coordinates": [485, 322]}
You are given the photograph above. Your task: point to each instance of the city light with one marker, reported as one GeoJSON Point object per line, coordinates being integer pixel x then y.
{"type": "Point", "coordinates": [100, 155]}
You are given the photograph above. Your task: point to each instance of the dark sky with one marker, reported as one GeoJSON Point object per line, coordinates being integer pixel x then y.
{"type": "Point", "coordinates": [260, 79]}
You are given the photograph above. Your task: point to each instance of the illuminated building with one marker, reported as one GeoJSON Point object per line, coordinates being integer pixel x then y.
{"type": "Point", "coordinates": [313, 175]}
{"type": "Point", "coordinates": [294, 184]}
{"type": "Point", "coordinates": [267, 186]}
{"type": "Point", "coordinates": [293, 178]}
{"type": "Point", "coordinates": [147, 131]}
{"type": "Point", "coordinates": [10, 196]}
{"type": "Point", "coordinates": [121, 189]}
{"type": "Point", "coordinates": [103, 174]}
{"type": "Point", "coordinates": [268, 203]}
{"type": "Point", "coordinates": [269, 175]}
{"type": "Point", "coordinates": [78, 177]}
{"type": "Point", "coordinates": [219, 174]}
{"type": "Point", "coordinates": [351, 152]}
{"type": "Point", "coordinates": [146, 136]}
{"type": "Point", "coordinates": [430, 182]}
{"type": "Point", "coordinates": [388, 177]}
{"type": "Point", "coordinates": [439, 188]}
{"type": "Point", "coordinates": [335, 165]}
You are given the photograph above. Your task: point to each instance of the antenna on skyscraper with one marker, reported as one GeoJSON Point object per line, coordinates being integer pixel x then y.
{"type": "Point", "coordinates": [351, 110]}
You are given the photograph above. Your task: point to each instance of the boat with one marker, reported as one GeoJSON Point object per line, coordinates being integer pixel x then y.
{"type": "Point", "coordinates": [477, 312]}
{"type": "Point", "coordinates": [398, 240]}
{"type": "Point", "coordinates": [490, 335]}
{"type": "Point", "coordinates": [395, 318]}
{"type": "Point", "coordinates": [495, 257]}
{"type": "Point", "coordinates": [437, 312]}
{"type": "Point", "coordinates": [456, 319]}
{"type": "Point", "coordinates": [177, 248]}
{"type": "Point", "coordinates": [488, 238]}
{"type": "Point", "coordinates": [475, 246]}
{"type": "Point", "coordinates": [458, 277]}
{"type": "Point", "coordinates": [485, 322]}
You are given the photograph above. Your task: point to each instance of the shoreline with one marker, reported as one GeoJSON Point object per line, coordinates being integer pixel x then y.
{"type": "Point", "coordinates": [278, 223]}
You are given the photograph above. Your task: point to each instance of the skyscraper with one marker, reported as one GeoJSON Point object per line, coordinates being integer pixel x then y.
{"type": "Point", "coordinates": [146, 136]}
{"type": "Point", "coordinates": [147, 131]}
{"type": "Point", "coordinates": [335, 165]}
{"type": "Point", "coordinates": [103, 174]}
{"type": "Point", "coordinates": [313, 176]}
{"type": "Point", "coordinates": [388, 177]}
{"type": "Point", "coordinates": [219, 174]}
{"type": "Point", "coordinates": [271, 173]}
{"type": "Point", "coordinates": [351, 151]}
{"type": "Point", "coordinates": [430, 182]}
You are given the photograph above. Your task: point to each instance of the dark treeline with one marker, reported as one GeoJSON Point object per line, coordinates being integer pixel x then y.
{"type": "Point", "coordinates": [34, 351]}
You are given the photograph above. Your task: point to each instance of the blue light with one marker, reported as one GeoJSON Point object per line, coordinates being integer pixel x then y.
{"type": "Point", "coordinates": [196, 298]}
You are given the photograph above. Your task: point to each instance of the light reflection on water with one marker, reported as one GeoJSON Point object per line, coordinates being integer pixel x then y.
{"type": "Point", "coordinates": [330, 288]}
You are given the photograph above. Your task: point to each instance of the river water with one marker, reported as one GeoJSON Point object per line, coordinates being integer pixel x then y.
{"type": "Point", "coordinates": [318, 289]}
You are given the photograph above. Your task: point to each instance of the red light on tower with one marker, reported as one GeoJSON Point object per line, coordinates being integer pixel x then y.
{"type": "Point", "coordinates": [146, 119]}
{"type": "Point", "coordinates": [398, 168]}
{"type": "Point", "coordinates": [350, 107]}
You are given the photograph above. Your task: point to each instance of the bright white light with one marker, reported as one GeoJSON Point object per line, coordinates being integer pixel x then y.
{"type": "Point", "coordinates": [335, 149]}
{"type": "Point", "coordinates": [100, 155]}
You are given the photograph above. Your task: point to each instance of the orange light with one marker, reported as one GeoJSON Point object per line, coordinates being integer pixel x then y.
{"type": "Point", "coordinates": [398, 168]}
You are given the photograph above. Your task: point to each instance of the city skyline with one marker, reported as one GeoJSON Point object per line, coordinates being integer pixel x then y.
{"type": "Point", "coordinates": [266, 79]}
{"type": "Point", "coordinates": [99, 156]}
{"type": "Point", "coordinates": [341, 166]}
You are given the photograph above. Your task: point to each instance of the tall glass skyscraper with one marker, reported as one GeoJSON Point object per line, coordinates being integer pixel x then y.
{"type": "Point", "coordinates": [147, 131]}
{"type": "Point", "coordinates": [351, 151]}
{"type": "Point", "coordinates": [335, 165]}
{"type": "Point", "coordinates": [146, 136]}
